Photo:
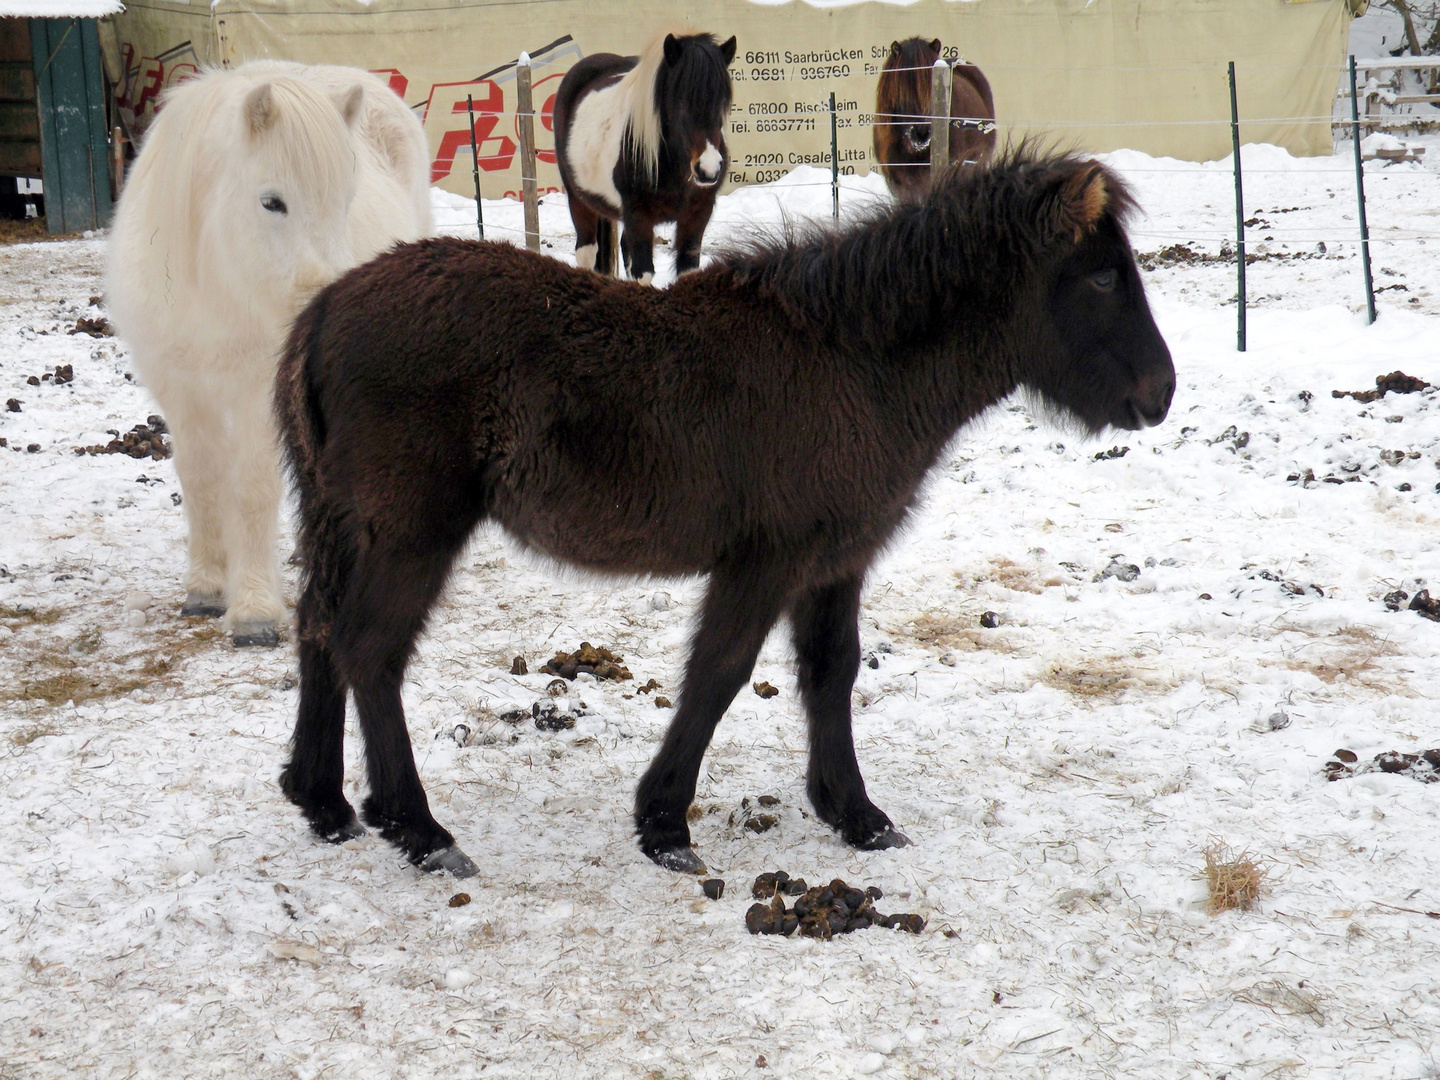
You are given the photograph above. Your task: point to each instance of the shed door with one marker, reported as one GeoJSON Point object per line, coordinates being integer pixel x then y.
{"type": "Point", "coordinates": [71, 93]}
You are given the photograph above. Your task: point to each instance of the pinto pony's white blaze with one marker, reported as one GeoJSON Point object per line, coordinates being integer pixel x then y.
{"type": "Point", "coordinates": [255, 188]}
{"type": "Point", "coordinates": [709, 167]}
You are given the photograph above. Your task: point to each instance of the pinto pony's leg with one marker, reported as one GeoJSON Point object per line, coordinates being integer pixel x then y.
{"type": "Point", "coordinates": [827, 643]}
{"type": "Point", "coordinates": [637, 244]}
{"type": "Point", "coordinates": [253, 585]}
{"type": "Point", "coordinates": [587, 224]}
{"type": "Point", "coordinates": [689, 233]}
{"type": "Point", "coordinates": [745, 597]}
{"type": "Point", "coordinates": [197, 428]}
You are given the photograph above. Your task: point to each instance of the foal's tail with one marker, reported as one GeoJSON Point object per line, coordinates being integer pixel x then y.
{"type": "Point", "coordinates": [322, 548]}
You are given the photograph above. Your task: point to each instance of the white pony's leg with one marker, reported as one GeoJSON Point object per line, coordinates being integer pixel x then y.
{"type": "Point", "coordinates": [197, 433]}
{"type": "Point", "coordinates": [253, 588]}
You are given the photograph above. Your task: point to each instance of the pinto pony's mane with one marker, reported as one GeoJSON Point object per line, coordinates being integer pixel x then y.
{"type": "Point", "coordinates": [901, 264]}
{"type": "Point", "coordinates": [693, 80]}
{"type": "Point", "coordinates": [192, 151]}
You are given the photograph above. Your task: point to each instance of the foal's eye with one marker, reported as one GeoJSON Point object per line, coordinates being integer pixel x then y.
{"type": "Point", "coordinates": [274, 204]}
{"type": "Point", "coordinates": [1105, 280]}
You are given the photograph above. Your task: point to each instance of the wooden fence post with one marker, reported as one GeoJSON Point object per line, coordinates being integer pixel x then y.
{"type": "Point", "coordinates": [941, 78]}
{"type": "Point", "coordinates": [525, 109]}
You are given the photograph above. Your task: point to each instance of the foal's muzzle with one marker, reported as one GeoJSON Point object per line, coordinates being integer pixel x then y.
{"type": "Point", "coordinates": [1150, 401]}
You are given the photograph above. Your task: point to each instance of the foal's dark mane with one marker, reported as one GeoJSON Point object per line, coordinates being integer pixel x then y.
{"type": "Point", "coordinates": [900, 265]}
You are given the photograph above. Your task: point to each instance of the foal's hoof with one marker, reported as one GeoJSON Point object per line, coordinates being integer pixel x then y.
{"type": "Point", "coordinates": [350, 830]}
{"type": "Point", "coordinates": [681, 860]}
{"type": "Point", "coordinates": [199, 605]}
{"type": "Point", "coordinates": [888, 837]}
{"type": "Point", "coordinates": [449, 860]}
{"type": "Point", "coordinates": [256, 635]}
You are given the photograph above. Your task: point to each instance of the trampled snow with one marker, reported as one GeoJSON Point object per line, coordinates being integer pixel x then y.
{"type": "Point", "coordinates": [163, 911]}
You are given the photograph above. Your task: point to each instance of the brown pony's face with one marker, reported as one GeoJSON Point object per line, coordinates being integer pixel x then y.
{"type": "Point", "coordinates": [902, 107]}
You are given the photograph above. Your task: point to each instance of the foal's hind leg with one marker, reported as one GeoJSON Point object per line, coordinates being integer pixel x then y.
{"type": "Point", "coordinates": [827, 642]}
{"type": "Point", "coordinates": [374, 634]}
{"type": "Point", "coordinates": [312, 778]}
{"type": "Point", "coordinates": [743, 602]}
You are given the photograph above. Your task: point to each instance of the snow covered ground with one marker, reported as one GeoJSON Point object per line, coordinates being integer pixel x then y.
{"type": "Point", "coordinates": [164, 913]}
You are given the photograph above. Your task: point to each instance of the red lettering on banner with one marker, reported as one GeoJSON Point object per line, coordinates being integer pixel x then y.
{"type": "Point", "coordinates": [544, 148]}
{"type": "Point", "coordinates": [398, 82]}
{"type": "Point", "coordinates": [152, 81]}
{"type": "Point", "coordinates": [493, 152]}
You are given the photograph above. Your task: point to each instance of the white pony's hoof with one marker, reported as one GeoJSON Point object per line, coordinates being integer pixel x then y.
{"type": "Point", "coordinates": [449, 860]}
{"type": "Point", "coordinates": [202, 605]}
{"type": "Point", "coordinates": [256, 635]}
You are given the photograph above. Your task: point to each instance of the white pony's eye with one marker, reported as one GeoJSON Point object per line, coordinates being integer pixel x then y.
{"type": "Point", "coordinates": [274, 204]}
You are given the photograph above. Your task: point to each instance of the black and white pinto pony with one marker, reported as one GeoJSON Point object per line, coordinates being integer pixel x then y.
{"type": "Point", "coordinates": [641, 140]}
{"type": "Point", "coordinates": [767, 421]}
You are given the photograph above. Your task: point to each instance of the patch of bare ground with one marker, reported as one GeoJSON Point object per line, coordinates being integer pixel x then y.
{"type": "Point", "coordinates": [1353, 655]}
{"type": "Point", "coordinates": [31, 231]}
{"type": "Point", "coordinates": [49, 670]}
{"type": "Point", "coordinates": [954, 632]}
{"type": "Point", "coordinates": [1105, 677]}
{"type": "Point", "coordinates": [1007, 574]}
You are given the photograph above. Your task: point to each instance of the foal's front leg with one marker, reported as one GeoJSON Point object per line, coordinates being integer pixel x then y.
{"type": "Point", "coordinates": [742, 603]}
{"type": "Point", "coordinates": [827, 643]}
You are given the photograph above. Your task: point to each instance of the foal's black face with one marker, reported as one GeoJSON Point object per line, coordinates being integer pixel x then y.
{"type": "Point", "coordinates": [1109, 365]}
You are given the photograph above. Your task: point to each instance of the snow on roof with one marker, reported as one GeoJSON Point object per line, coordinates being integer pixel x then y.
{"type": "Point", "coordinates": [60, 9]}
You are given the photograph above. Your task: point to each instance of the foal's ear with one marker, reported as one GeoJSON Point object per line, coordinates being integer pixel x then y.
{"type": "Point", "coordinates": [349, 104]}
{"type": "Point", "coordinates": [260, 110]}
{"type": "Point", "coordinates": [727, 50]}
{"type": "Point", "coordinates": [1081, 202]}
{"type": "Point", "coordinates": [673, 48]}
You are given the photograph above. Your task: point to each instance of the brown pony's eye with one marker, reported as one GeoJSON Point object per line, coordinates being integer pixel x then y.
{"type": "Point", "coordinates": [1105, 280]}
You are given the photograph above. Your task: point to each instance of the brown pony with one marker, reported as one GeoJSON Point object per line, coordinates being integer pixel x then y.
{"type": "Point", "coordinates": [902, 116]}
{"type": "Point", "coordinates": [767, 421]}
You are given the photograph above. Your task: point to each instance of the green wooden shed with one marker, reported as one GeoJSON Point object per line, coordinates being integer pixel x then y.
{"type": "Point", "coordinates": [53, 110]}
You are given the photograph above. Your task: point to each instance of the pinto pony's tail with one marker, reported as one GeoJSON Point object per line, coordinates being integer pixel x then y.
{"type": "Point", "coordinates": [321, 548]}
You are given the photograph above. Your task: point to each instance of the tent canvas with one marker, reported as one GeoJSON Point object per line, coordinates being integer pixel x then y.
{"type": "Point", "coordinates": [1091, 74]}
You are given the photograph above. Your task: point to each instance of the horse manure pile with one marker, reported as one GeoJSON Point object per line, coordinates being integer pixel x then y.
{"type": "Point", "coordinates": [96, 328]}
{"type": "Point", "coordinates": [60, 376]}
{"type": "Point", "coordinates": [1396, 382]}
{"type": "Point", "coordinates": [548, 715]}
{"type": "Point", "coordinates": [756, 821]}
{"type": "Point", "coordinates": [821, 912]}
{"type": "Point", "coordinates": [1422, 603]}
{"type": "Point", "coordinates": [141, 441]}
{"type": "Point", "coordinates": [589, 660]}
{"type": "Point", "coordinates": [1424, 766]}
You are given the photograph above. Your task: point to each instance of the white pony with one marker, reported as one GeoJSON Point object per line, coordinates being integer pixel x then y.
{"type": "Point", "coordinates": [256, 187]}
